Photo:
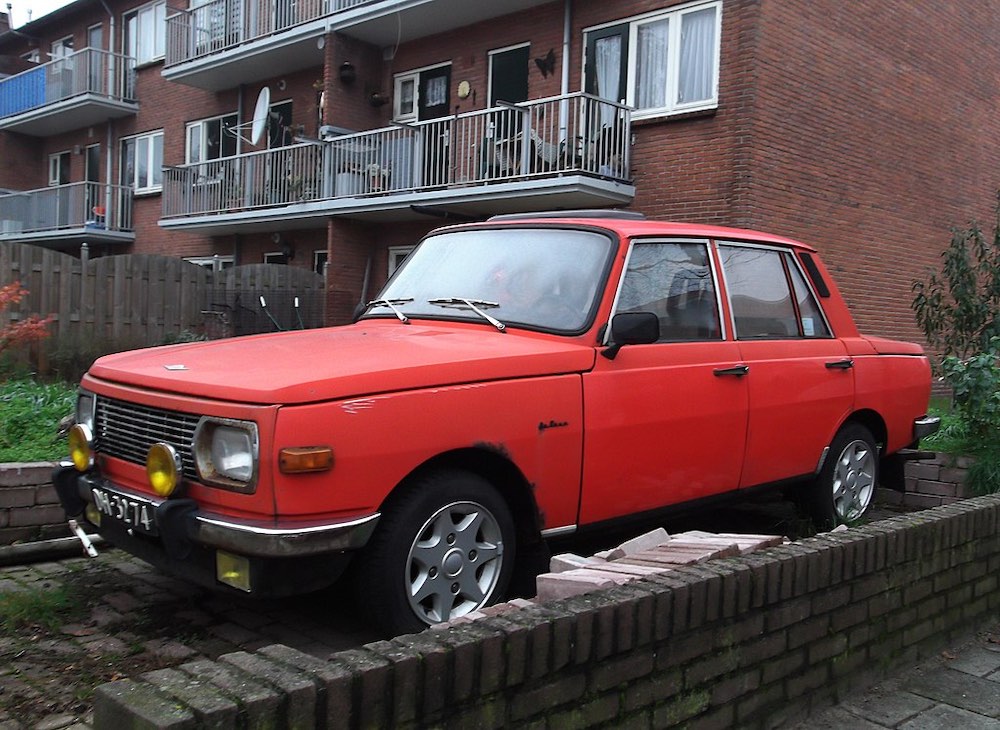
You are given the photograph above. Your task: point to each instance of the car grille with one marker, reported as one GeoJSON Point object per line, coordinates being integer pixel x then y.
{"type": "Point", "coordinates": [127, 430]}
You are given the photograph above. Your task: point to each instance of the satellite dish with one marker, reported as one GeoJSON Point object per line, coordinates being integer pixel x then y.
{"type": "Point", "coordinates": [260, 110]}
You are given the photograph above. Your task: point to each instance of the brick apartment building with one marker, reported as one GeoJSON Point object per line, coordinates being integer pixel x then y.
{"type": "Point", "coordinates": [332, 134]}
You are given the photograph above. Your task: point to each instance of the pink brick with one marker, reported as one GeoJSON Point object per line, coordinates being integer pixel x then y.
{"type": "Point", "coordinates": [637, 544]}
{"type": "Point", "coordinates": [563, 585]}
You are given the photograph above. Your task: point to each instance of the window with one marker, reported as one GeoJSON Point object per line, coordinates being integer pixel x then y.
{"type": "Point", "coordinates": [661, 63]}
{"type": "Point", "coordinates": [61, 48]}
{"type": "Point", "coordinates": [215, 263]}
{"type": "Point", "coordinates": [275, 257]}
{"type": "Point", "coordinates": [142, 162]}
{"type": "Point", "coordinates": [59, 168]}
{"type": "Point", "coordinates": [145, 33]}
{"type": "Point", "coordinates": [320, 257]}
{"type": "Point", "coordinates": [673, 280]}
{"type": "Point", "coordinates": [211, 139]}
{"type": "Point", "coordinates": [405, 98]}
{"type": "Point", "coordinates": [397, 255]}
{"type": "Point", "coordinates": [31, 55]}
{"type": "Point", "coordinates": [769, 296]}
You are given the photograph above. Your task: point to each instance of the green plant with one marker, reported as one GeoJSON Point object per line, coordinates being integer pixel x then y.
{"type": "Point", "coordinates": [958, 308]}
{"type": "Point", "coordinates": [42, 606]}
{"type": "Point", "coordinates": [30, 413]}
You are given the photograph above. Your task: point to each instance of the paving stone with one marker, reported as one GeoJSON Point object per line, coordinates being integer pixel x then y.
{"type": "Point", "coordinates": [943, 717]}
{"type": "Point", "coordinates": [888, 706]}
{"type": "Point", "coordinates": [976, 660]}
{"type": "Point", "coordinates": [958, 689]}
{"type": "Point", "coordinates": [55, 722]}
{"type": "Point", "coordinates": [838, 718]}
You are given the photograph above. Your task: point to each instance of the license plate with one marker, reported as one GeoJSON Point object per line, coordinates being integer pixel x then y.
{"type": "Point", "coordinates": [135, 513]}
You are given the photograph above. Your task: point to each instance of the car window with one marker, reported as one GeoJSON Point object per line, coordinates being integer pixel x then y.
{"type": "Point", "coordinates": [769, 296]}
{"type": "Point", "coordinates": [674, 281]}
{"type": "Point", "coordinates": [813, 324]}
{"type": "Point", "coordinates": [540, 278]}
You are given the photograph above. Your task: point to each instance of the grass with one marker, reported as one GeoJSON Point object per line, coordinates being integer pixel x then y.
{"type": "Point", "coordinates": [42, 606]}
{"type": "Point", "coordinates": [29, 419]}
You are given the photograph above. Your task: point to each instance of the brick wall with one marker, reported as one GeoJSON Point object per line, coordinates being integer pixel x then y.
{"type": "Point", "coordinates": [746, 641]}
{"type": "Point", "coordinates": [29, 507]}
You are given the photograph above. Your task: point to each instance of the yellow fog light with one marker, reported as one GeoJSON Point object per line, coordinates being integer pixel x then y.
{"type": "Point", "coordinates": [233, 570]}
{"type": "Point", "coordinates": [80, 451]}
{"type": "Point", "coordinates": [163, 468]}
{"type": "Point", "coordinates": [92, 515]}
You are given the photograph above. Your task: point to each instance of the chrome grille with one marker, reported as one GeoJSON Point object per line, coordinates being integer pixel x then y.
{"type": "Point", "coordinates": [127, 430]}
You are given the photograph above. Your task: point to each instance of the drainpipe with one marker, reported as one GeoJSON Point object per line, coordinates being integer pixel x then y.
{"type": "Point", "coordinates": [564, 84]}
{"type": "Point", "coordinates": [239, 118]}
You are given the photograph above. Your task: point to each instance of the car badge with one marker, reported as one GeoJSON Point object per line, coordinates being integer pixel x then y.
{"type": "Point", "coordinates": [175, 367]}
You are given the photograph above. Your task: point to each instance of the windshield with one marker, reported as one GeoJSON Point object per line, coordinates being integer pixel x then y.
{"type": "Point", "coordinates": [541, 278]}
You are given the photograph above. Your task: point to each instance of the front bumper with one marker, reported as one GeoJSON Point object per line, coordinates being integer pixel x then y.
{"type": "Point", "coordinates": [285, 559]}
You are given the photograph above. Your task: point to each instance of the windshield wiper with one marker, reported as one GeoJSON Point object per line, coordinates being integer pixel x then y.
{"type": "Point", "coordinates": [391, 304]}
{"type": "Point", "coordinates": [476, 305]}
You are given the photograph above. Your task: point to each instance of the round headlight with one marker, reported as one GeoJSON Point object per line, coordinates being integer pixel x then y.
{"type": "Point", "coordinates": [80, 447]}
{"type": "Point", "coordinates": [163, 467]}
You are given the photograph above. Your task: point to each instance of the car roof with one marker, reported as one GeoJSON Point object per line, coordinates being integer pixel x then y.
{"type": "Point", "coordinates": [633, 226]}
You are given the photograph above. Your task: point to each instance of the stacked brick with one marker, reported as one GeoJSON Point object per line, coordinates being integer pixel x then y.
{"type": "Point", "coordinates": [747, 641]}
{"type": "Point", "coordinates": [29, 507]}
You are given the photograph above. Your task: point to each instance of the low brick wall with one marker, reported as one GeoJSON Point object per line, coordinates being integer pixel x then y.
{"type": "Point", "coordinates": [29, 507]}
{"type": "Point", "coordinates": [748, 641]}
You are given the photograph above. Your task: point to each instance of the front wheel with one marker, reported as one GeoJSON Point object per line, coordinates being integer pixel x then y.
{"type": "Point", "coordinates": [845, 486]}
{"type": "Point", "coordinates": [444, 547]}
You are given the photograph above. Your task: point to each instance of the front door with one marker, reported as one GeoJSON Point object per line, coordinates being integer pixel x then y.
{"type": "Point", "coordinates": [665, 422]}
{"type": "Point", "coordinates": [433, 101]}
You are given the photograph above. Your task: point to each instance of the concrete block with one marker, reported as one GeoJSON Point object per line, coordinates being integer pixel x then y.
{"type": "Point", "coordinates": [551, 586]}
{"type": "Point", "coordinates": [298, 689]}
{"type": "Point", "coordinates": [126, 703]}
{"type": "Point", "coordinates": [211, 708]}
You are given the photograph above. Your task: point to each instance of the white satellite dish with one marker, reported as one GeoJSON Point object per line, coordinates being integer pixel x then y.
{"type": "Point", "coordinates": [260, 112]}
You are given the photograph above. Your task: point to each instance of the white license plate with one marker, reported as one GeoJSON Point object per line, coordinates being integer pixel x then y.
{"type": "Point", "coordinates": [136, 513]}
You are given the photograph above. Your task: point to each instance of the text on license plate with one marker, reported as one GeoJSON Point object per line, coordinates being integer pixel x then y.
{"type": "Point", "coordinates": [135, 513]}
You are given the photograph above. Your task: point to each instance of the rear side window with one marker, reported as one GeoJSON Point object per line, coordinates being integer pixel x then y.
{"type": "Point", "coordinates": [674, 281]}
{"type": "Point", "coordinates": [769, 296]}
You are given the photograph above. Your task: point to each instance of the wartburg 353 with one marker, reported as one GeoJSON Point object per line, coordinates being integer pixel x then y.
{"type": "Point", "coordinates": [518, 379]}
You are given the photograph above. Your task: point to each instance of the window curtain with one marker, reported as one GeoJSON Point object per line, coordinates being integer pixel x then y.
{"type": "Point", "coordinates": [651, 65]}
{"type": "Point", "coordinates": [697, 61]}
{"type": "Point", "coordinates": [608, 65]}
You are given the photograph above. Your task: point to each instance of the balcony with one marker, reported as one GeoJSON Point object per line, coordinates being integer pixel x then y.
{"type": "Point", "coordinates": [221, 44]}
{"type": "Point", "coordinates": [63, 216]}
{"type": "Point", "coordinates": [85, 88]}
{"type": "Point", "coordinates": [563, 152]}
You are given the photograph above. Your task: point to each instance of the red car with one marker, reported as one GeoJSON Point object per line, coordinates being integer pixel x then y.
{"type": "Point", "coordinates": [517, 379]}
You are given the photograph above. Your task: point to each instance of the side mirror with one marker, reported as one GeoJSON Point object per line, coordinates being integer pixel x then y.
{"type": "Point", "coordinates": [632, 328]}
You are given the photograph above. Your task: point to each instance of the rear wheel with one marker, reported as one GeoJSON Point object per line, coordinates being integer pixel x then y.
{"type": "Point", "coordinates": [443, 548]}
{"type": "Point", "coordinates": [845, 486]}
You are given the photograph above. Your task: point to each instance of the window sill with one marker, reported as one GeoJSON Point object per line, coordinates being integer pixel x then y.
{"type": "Point", "coordinates": [146, 193]}
{"type": "Point", "coordinates": [679, 117]}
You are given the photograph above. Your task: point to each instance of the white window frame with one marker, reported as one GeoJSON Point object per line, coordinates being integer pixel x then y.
{"type": "Point", "coordinates": [155, 13]}
{"type": "Point", "coordinates": [318, 254]}
{"type": "Point", "coordinates": [214, 263]}
{"type": "Point", "coordinates": [276, 257]}
{"type": "Point", "coordinates": [151, 185]}
{"type": "Point", "coordinates": [398, 114]}
{"type": "Point", "coordinates": [33, 56]}
{"type": "Point", "coordinates": [202, 126]}
{"type": "Point", "coordinates": [55, 167]}
{"type": "Point", "coordinates": [674, 16]}
{"type": "Point", "coordinates": [59, 49]}
{"type": "Point", "coordinates": [398, 254]}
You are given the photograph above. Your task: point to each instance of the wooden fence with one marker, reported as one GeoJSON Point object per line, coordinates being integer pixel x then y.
{"type": "Point", "coordinates": [137, 300]}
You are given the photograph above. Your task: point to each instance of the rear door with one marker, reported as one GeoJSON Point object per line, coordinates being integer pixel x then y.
{"type": "Point", "coordinates": [800, 377]}
{"type": "Point", "coordinates": [665, 422]}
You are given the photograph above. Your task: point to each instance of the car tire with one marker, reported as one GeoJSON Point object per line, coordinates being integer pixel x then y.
{"type": "Point", "coordinates": [444, 547]}
{"type": "Point", "coordinates": [845, 486]}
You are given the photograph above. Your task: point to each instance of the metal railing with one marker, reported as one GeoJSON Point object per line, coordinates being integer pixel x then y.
{"type": "Point", "coordinates": [217, 25]}
{"type": "Point", "coordinates": [577, 133]}
{"type": "Point", "coordinates": [75, 205]}
{"type": "Point", "coordinates": [89, 71]}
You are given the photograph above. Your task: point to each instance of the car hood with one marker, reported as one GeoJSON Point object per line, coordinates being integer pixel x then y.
{"type": "Point", "coordinates": [341, 362]}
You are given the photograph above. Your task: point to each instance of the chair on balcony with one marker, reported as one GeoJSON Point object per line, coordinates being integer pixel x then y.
{"type": "Point", "coordinates": [97, 220]}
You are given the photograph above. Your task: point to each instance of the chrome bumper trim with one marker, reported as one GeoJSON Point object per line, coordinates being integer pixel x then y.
{"type": "Point", "coordinates": [275, 542]}
{"type": "Point", "coordinates": [925, 426]}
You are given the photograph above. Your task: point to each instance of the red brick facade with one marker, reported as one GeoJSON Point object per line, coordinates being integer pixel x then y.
{"type": "Point", "coordinates": [867, 132]}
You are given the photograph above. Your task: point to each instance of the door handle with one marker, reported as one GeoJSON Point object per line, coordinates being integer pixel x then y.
{"type": "Point", "coordinates": [840, 365]}
{"type": "Point", "coordinates": [737, 371]}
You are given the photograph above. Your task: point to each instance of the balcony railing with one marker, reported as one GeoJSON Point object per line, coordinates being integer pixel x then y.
{"type": "Point", "coordinates": [574, 134]}
{"type": "Point", "coordinates": [90, 71]}
{"type": "Point", "coordinates": [218, 25]}
{"type": "Point", "coordinates": [96, 206]}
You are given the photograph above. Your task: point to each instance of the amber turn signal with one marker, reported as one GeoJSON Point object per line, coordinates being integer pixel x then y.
{"type": "Point", "coordinates": [303, 459]}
